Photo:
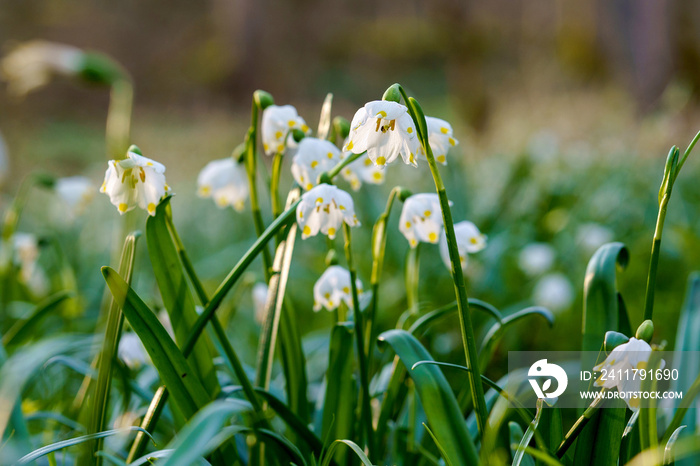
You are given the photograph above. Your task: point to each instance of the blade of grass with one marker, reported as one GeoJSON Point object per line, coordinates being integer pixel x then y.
{"type": "Point", "coordinates": [22, 329]}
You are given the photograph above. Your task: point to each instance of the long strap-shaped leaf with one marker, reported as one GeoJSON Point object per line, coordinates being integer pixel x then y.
{"type": "Point", "coordinates": [440, 405]}
{"type": "Point", "coordinates": [182, 382]}
{"type": "Point", "coordinates": [175, 291]}
{"type": "Point", "coordinates": [22, 328]}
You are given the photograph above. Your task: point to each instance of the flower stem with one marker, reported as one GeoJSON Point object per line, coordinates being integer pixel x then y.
{"type": "Point", "coordinates": [365, 410]}
{"type": "Point", "coordinates": [275, 183]}
{"type": "Point", "coordinates": [119, 118]}
{"type": "Point", "coordinates": [344, 163]}
{"type": "Point", "coordinates": [251, 165]}
{"type": "Point", "coordinates": [378, 251]}
{"type": "Point", "coordinates": [470, 352]}
{"type": "Point", "coordinates": [412, 277]}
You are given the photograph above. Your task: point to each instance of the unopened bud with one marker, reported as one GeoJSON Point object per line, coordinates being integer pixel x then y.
{"type": "Point", "coordinates": [392, 93]}
{"type": "Point", "coordinates": [645, 331]}
{"type": "Point", "coordinates": [263, 99]}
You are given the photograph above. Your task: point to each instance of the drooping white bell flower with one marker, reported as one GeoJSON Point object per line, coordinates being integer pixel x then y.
{"type": "Point", "coordinates": [259, 292]}
{"type": "Point", "coordinates": [440, 139]}
{"type": "Point", "coordinates": [277, 122]}
{"type": "Point", "coordinates": [75, 192]}
{"type": "Point", "coordinates": [536, 258]}
{"type": "Point", "coordinates": [385, 130]}
{"type": "Point", "coordinates": [324, 208]}
{"type": "Point", "coordinates": [554, 291]}
{"type": "Point", "coordinates": [362, 170]}
{"type": "Point", "coordinates": [421, 219]}
{"type": "Point", "coordinates": [132, 351]}
{"type": "Point", "coordinates": [32, 65]}
{"type": "Point", "coordinates": [26, 257]}
{"type": "Point", "coordinates": [469, 241]}
{"type": "Point", "coordinates": [634, 354]}
{"type": "Point", "coordinates": [334, 287]}
{"type": "Point", "coordinates": [314, 156]}
{"type": "Point", "coordinates": [225, 181]}
{"type": "Point", "coordinates": [135, 181]}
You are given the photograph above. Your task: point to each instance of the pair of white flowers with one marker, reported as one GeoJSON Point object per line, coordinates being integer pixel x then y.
{"type": "Point", "coordinates": [421, 222]}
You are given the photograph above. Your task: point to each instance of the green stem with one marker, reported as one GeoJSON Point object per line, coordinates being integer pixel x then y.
{"type": "Point", "coordinates": [365, 410]}
{"type": "Point", "coordinates": [119, 118]}
{"type": "Point", "coordinates": [378, 252]}
{"type": "Point", "coordinates": [466, 326]}
{"type": "Point", "coordinates": [412, 276]}
{"type": "Point", "coordinates": [344, 163]}
{"type": "Point", "coordinates": [578, 426]}
{"type": "Point", "coordinates": [275, 183]}
{"type": "Point", "coordinates": [251, 169]}
{"type": "Point", "coordinates": [686, 154]}
{"type": "Point", "coordinates": [654, 261]}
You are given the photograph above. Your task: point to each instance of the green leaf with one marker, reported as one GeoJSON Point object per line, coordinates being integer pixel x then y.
{"type": "Point", "coordinates": [439, 403]}
{"type": "Point", "coordinates": [353, 446]}
{"type": "Point", "coordinates": [176, 294]}
{"type": "Point", "coordinates": [338, 402]}
{"type": "Point", "coordinates": [527, 437]}
{"type": "Point", "coordinates": [420, 326]}
{"type": "Point", "coordinates": [669, 458]}
{"type": "Point", "coordinates": [516, 435]}
{"type": "Point", "coordinates": [496, 331]}
{"type": "Point", "coordinates": [193, 440]}
{"type": "Point", "coordinates": [182, 382]}
{"type": "Point", "coordinates": [22, 329]}
{"type": "Point", "coordinates": [43, 451]}
{"type": "Point", "coordinates": [443, 453]}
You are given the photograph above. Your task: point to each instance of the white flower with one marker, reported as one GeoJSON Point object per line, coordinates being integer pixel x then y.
{"type": "Point", "coordinates": [259, 301]}
{"type": "Point", "coordinates": [26, 256]}
{"type": "Point", "coordinates": [324, 208]}
{"type": "Point", "coordinates": [314, 156]}
{"type": "Point", "coordinates": [536, 258]}
{"type": "Point", "coordinates": [591, 236]}
{"type": "Point", "coordinates": [32, 65]}
{"type": "Point", "coordinates": [225, 181]}
{"type": "Point", "coordinates": [384, 129]}
{"type": "Point", "coordinates": [334, 287]}
{"type": "Point", "coordinates": [554, 291]}
{"type": "Point", "coordinates": [135, 181]}
{"type": "Point", "coordinates": [75, 192]}
{"type": "Point", "coordinates": [277, 122]}
{"type": "Point", "coordinates": [469, 241]}
{"type": "Point", "coordinates": [421, 219]}
{"type": "Point", "coordinates": [440, 138]}
{"type": "Point", "coordinates": [132, 351]}
{"type": "Point", "coordinates": [634, 354]}
{"type": "Point", "coordinates": [361, 171]}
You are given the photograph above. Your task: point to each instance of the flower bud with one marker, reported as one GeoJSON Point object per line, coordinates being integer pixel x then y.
{"type": "Point", "coordinates": [392, 93]}
{"type": "Point", "coordinates": [613, 340]}
{"type": "Point", "coordinates": [645, 331]}
{"type": "Point", "coordinates": [263, 99]}
{"type": "Point", "coordinates": [341, 127]}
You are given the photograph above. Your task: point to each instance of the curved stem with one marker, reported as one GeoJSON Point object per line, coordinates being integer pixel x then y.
{"type": "Point", "coordinates": [274, 184]}
{"type": "Point", "coordinates": [119, 118]}
{"type": "Point", "coordinates": [344, 163]}
{"type": "Point", "coordinates": [365, 411]}
{"type": "Point", "coordinates": [654, 261]}
{"type": "Point", "coordinates": [466, 326]}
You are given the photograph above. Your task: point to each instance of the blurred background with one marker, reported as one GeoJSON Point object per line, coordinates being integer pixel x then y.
{"type": "Point", "coordinates": [565, 112]}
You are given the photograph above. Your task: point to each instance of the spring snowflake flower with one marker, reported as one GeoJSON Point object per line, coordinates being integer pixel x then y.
{"type": "Point", "coordinates": [132, 351]}
{"type": "Point", "coordinates": [440, 139]}
{"type": "Point", "coordinates": [26, 257]}
{"type": "Point", "coordinates": [634, 354]}
{"type": "Point", "coordinates": [421, 219]}
{"type": "Point", "coordinates": [225, 181]}
{"type": "Point", "coordinates": [33, 64]}
{"type": "Point", "coordinates": [554, 291]}
{"type": "Point", "coordinates": [259, 292]}
{"type": "Point", "coordinates": [385, 130]}
{"type": "Point", "coordinates": [325, 208]}
{"type": "Point", "coordinates": [362, 170]}
{"type": "Point", "coordinates": [135, 181]}
{"type": "Point", "coordinates": [277, 122]}
{"type": "Point", "coordinates": [314, 156]}
{"type": "Point", "coordinates": [334, 288]}
{"type": "Point", "coordinates": [469, 241]}
{"type": "Point", "coordinates": [536, 258]}
{"type": "Point", "coordinates": [75, 192]}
